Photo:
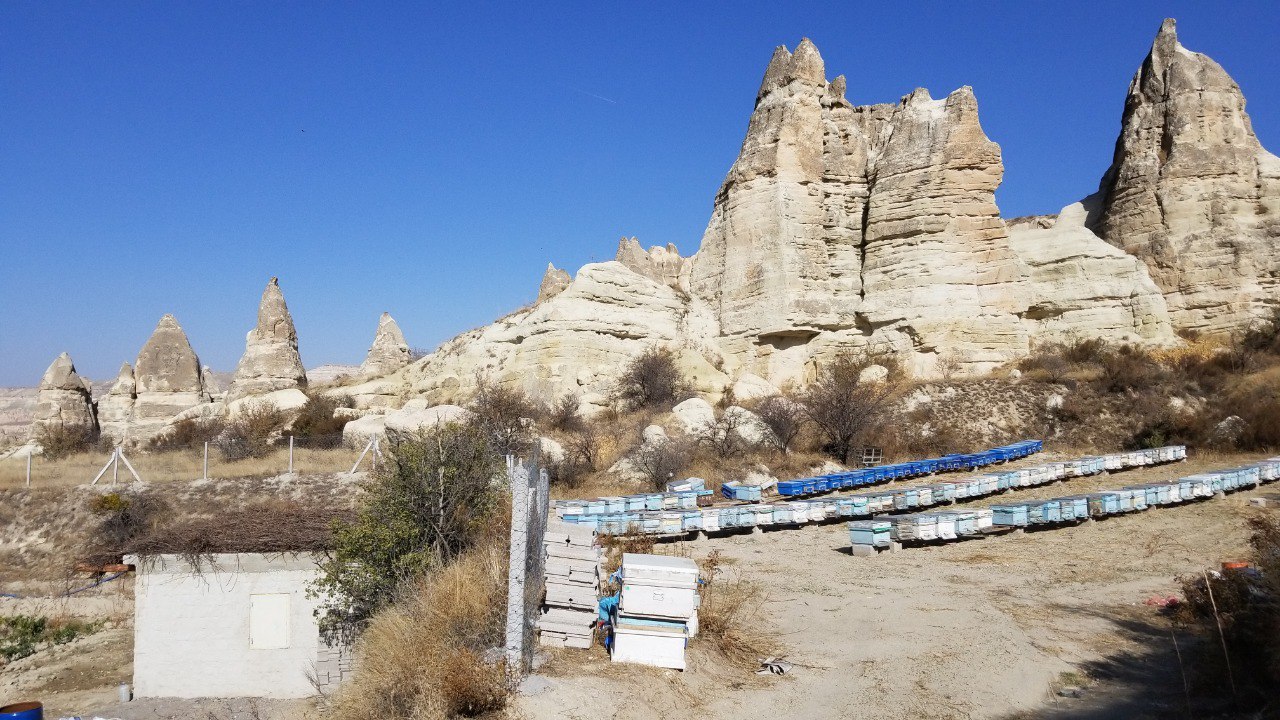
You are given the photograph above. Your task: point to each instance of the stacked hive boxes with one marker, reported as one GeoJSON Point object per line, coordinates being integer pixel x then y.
{"type": "Point", "coordinates": [657, 611]}
{"type": "Point", "coordinates": [573, 586]}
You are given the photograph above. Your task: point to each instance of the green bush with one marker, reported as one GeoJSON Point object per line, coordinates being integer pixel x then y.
{"type": "Point", "coordinates": [24, 635]}
{"type": "Point", "coordinates": [420, 510]}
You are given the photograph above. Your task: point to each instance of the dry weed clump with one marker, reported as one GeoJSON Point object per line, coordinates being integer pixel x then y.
{"type": "Point", "coordinates": [187, 434]}
{"type": "Point", "coordinates": [62, 441]}
{"type": "Point", "coordinates": [1236, 613]}
{"type": "Point", "coordinates": [425, 657]}
{"type": "Point", "coordinates": [730, 620]}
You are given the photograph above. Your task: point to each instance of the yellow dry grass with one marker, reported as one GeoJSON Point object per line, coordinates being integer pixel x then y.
{"type": "Point", "coordinates": [420, 659]}
{"type": "Point", "coordinates": [172, 466]}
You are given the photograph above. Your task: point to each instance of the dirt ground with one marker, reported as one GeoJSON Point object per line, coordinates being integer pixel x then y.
{"type": "Point", "coordinates": [987, 628]}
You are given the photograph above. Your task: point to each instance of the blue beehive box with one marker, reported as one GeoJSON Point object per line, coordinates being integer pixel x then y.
{"type": "Point", "coordinates": [1067, 509]}
{"type": "Point", "coordinates": [966, 522]}
{"type": "Point", "coordinates": [782, 515]}
{"type": "Point", "coordinates": [869, 532]}
{"type": "Point", "coordinates": [1139, 498]}
{"type": "Point", "coordinates": [692, 521]}
{"type": "Point", "coordinates": [1052, 511]}
{"type": "Point", "coordinates": [650, 524]}
{"type": "Point", "coordinates": [634, 503]}
{"type": "Point", "coordinates": [615, 505]}
{"type": "Point", "coordinates": [597, 506]}
{"type": "Point", "coordinates": [1014, 515]}
{"type": "Point", "coordinates": [1186, 489]}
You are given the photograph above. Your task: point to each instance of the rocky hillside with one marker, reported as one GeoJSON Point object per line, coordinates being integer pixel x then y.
{"type": "Point", "coordinates": [839, 226]}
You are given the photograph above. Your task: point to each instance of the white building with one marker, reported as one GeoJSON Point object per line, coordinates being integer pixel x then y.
{"type": "Point", "coordinates": [239, 625]}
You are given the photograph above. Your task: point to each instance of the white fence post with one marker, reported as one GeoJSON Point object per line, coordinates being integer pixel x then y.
{"type": "Point", "coordinates": [518, 479]}
{"type": "Point", "coordinates": [291, 455]}
{"type": "Point", "coordinates": [29, 454]}
{"type": "Point", "coordinates": [206, 460]}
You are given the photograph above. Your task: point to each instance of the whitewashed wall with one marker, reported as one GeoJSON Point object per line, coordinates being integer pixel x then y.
{"type": "Point", "coordinates": [191, 629]}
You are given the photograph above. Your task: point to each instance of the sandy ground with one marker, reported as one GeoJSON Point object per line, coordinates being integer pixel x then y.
{"type": "Point", "coordinates": [986, 628]}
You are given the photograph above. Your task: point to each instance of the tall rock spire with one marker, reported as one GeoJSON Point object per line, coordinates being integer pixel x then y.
{"type": "Point", "coordinates": [1192, 192]}
{"type": "Point", "coordinates": [389, 351]}
{"type": "Point", "coordinates": [64, 401]}
{"type": "Point", "coordinates": [166, 381]}
{"type": "Point", "coordinates": [271, 361]}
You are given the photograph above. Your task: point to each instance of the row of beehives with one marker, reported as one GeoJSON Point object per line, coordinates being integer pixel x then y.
{"type": "Point", "coordinates": [956, 524]}
{"type": "Point", "coordinates": [694, 495]}
{"type": "Point", "coordinates": [866, 504]}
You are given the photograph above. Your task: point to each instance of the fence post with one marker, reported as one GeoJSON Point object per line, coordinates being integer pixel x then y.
{"type": "Point", "coordinates": [115, 467]}
{"type": "Point", "coordinates": [518, 479]}
{"type": "Point", "coordinates": [290, 455]}
{"type": "Point", "coordinates": [29, 454]}
{"type": "Point", "coordinates": [206, 460]}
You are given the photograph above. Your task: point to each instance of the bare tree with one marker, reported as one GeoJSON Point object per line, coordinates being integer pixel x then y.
{"type": "Point", "coordinates": [502, 414]}
{"type": "Point", "coordinates": [724, 435]}
{"type": "Point", "coordinates": [784, 417]}
{"type": "Point", "coordinates": [659, 462]}
{"type": "Point", "coordinates": [651, 379]}
{"type": "Point", "coordinates": [563, 414]}
{"type": "Point", "coordinates": [843, 407]}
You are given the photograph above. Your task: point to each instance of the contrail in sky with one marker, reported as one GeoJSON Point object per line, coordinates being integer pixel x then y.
{"type": "Point", "coordinates": [598, 97]}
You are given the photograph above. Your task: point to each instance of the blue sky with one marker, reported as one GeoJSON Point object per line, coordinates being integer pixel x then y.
{"type": "Point", "coordinates": [429, 159]}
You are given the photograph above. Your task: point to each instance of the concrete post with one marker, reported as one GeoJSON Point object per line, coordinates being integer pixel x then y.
{"type": "Point", "coordinates": [290, 455]}
{"type": "Point", "coordinates": [518, 480]}
{"type": "Point", "coordinates": [206, 459]}
{"type": "Point", "coordinates": [29, 454]}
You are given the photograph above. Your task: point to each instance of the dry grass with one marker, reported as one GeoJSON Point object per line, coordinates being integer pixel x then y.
{"type": "Point", "coordinates": [172, 466]}
{"type": "Point", "coordinates": [422, 658]}
{"type": "Point", "coordinates": [730, 621]}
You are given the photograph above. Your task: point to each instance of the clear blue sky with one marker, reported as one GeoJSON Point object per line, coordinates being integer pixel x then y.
{"type": "Point", "coordinates": [429, 159]}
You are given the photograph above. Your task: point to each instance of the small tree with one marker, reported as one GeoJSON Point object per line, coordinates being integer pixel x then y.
{"type": "Point", "coordinates": [188, 434]}
{"type": "Point", "coordinates": [581, 457]}
{"type": "Point", "coordinates": [843, 407]}
{"type": "Point", "coordinates": [659, 462]}
{"type": "Point", "coordinates": [60, 441]}
{"type": "Point", "coordinates": [784, 416]}
{"type": "Point", "coordinates": [423, 508]}
{"type": "Point", "coordinates": [502, 413]}
{"type": "Point", "coordinates": [651, 379]}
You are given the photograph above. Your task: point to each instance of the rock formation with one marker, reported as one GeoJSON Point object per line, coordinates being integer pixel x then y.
{"type": "Point", "coordinates": [554, 281]}
{"type": "Point", "coordinates": [1192, 192]}
{"type": "Point", "coordinates": [853, 226]}
{"type": "Point", "coordinates": [167, 380]}
{"type": "Point", "coordinates": [389, 351]}
{"type": "Point", "coordinates": [661, 265]}
{"type": "Point", "coordinates": [1084, 287]}
{"type": "Point", "coordinates": [64, 401]}
{"type": "Point", "coordinates": [115, 409]}
{"type": "Point", "coordinates": [270, 361]}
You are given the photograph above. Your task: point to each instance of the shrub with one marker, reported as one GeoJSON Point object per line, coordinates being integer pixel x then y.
{"type": "Point", "coordinates": [724, 436]}
{"type": "Point", "coordinates": [729, 616]}
{"type": "Point", "coordinates": [502, 413]}
{"type": "Point", "coordinates": [123, 519]}
{"type": "Point", "coordinates": [784, 417]}
{"type": "Point", "coordinates": [1130, 368]}
{"type": "Point", "coordinates": [842, 407]}
{"type": "Point", "coordinates": [563, 414]}
{"type": "Point", "coordinates": [1245, 605]}
{"type": "Point", "coordinates": [424, 507]}
{"type": "Point", "coordinates": [581, 458]}
{"type": "Point", "coordinates": [315, 426]}
{"type": "Point", "coordinates": [661, 462]}
{"type": "Point", "coordinates": [188, 434]}
{"type": "Point", "coordinates": [652, 379]}
{"type": "Point", "coordinates": [24, 635]}
{"type": "Point", "coordinates": [423, 657]}
{"type": "Point", "coordinates": [252, 432]}
{"type": "Point", "coordinates": [60, 441]}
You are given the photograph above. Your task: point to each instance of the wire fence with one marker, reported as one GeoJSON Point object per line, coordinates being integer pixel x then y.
{"type": "Point", "coordinates": [289, 455]}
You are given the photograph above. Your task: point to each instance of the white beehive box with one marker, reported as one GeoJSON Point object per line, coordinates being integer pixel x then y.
{"type": "Point", "coordinates": [649, 643]}
{"type": "Point", "coordinates": [659, 570]}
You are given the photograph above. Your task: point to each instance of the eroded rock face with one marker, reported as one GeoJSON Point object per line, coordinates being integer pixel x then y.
{"type": "Point", "coordinates": [842, 226]}
{"type": "Point", "coordinates": [660, 264]}
{"type": "Point", "coordinates": [1192, 192]}
{"type": "Point", "coordinates": [1083, 286]}
{"type": "Point", "coordinates": [389, 351]}
{"type": "Point", "coordinates": [64, 400]}
{"type": "Point", "coordinates": [573, 342]}
{"type": "Point", "coordinates": [271, 361]}
{"type": "Point", "coordinates": [116, 407]}
{"type": "Point", "coordinates": [168, 379]}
